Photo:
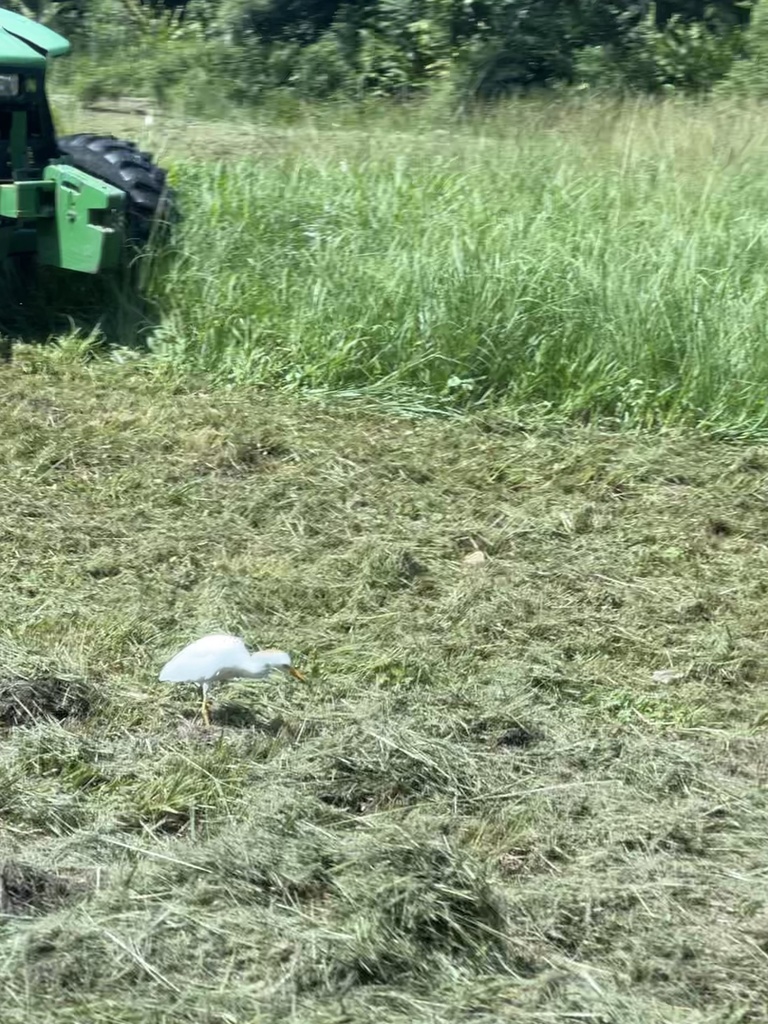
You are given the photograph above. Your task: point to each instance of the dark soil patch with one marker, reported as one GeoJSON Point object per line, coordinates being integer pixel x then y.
{"type": "Point", "coordinates": [28, 890]}
{"type": "Point", "coordinates": [25, 701]}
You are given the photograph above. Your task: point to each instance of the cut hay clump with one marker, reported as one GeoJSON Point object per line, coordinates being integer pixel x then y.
{"type": "Point", "coordinates": [409, 904]}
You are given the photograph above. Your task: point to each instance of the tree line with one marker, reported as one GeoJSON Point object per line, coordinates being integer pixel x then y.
{"type": "Point", "coordinates": [480, 49]}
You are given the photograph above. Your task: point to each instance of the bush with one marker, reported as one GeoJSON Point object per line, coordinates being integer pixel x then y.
{"type": "Point", "coordinates": [691, 57]}
{"type": "Point", "coordinates": [242, 50]}
{"type": "Point", "coordinates": [748, 76]}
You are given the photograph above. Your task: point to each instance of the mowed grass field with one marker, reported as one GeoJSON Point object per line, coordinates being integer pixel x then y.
{"type": "Point", "coordinates": [525, 781]}
{"type": "Point", "coordinates": [485, 805]}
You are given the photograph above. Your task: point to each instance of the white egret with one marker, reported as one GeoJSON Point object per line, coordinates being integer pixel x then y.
{"type": "Point", "coordinates": [220, 657]}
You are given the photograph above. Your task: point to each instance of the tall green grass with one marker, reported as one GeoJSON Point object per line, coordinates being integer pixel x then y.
{"type": "Point", "coordinates": [583, 259]}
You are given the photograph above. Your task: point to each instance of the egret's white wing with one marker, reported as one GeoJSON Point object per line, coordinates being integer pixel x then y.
{"type": "Point", "coordinates": [216, 656]}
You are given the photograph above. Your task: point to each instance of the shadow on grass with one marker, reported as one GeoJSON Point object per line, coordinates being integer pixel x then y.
{"type": "Point", "coordinates": [233, 715]}
{"type": "Point", "coordinates": [40, 303]}
{"type": "Point", "coordinates": [239, 716]}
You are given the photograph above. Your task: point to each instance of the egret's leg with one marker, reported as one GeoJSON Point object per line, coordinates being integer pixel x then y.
{"type": "Point", "coordinates": [205, 711]}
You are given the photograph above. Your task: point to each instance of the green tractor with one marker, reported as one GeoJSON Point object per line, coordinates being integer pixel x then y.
{"type": "Point", "coordinates": [81, 202]}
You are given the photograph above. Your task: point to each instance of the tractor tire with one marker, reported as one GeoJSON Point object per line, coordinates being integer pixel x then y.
{"type": "Point", "coordinates": [150, 203]}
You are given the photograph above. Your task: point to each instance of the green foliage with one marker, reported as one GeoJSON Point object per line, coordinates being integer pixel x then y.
{"type": "Point", "coordinates": [687, 55]}
{"type": "Point", "coordinates": [748, 77]}
{"type": "Point", "coordinates": [484, 48]}
{"type": "Point", "coordinates": [320, 70]}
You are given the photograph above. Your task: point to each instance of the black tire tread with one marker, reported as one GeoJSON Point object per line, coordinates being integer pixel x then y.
{"type": "Point", "coordinates": [121, 164]}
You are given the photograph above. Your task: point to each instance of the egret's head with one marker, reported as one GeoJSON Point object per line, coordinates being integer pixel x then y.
{"type": "Point", "coordinates": [281, 660]}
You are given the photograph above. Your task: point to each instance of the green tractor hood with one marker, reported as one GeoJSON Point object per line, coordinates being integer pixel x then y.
{"type": "Point", "coordinates": [25, 43]}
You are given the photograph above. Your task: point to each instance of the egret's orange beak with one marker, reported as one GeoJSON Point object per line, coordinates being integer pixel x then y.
{"type": "Point", "coordinates": [297, 675]}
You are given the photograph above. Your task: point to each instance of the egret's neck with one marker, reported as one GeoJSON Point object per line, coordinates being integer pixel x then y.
{"type": "Point", "coordinates": [255, 667]}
